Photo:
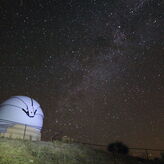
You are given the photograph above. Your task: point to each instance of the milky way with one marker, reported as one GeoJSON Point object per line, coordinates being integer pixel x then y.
{"type": "Point", "coordinates": [95, 67]}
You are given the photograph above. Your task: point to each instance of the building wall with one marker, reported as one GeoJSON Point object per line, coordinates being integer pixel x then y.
{"type": "Point", "coordinates": [22, 132]}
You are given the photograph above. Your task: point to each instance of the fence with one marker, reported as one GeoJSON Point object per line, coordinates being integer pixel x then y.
{"type": "Point", "coordinates": [144, 153]}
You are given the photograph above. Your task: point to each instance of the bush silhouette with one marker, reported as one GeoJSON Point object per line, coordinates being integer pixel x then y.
{"type": "Point", "coordinates": [118, 147]}
{"type": "Point", "coordinates": [162, 155]}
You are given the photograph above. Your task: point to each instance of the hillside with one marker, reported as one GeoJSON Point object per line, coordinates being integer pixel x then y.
{"type": "Point", "coordinates": [26, 152]}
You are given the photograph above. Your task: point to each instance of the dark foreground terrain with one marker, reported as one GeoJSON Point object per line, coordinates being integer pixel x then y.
{"type": "Point", "coordinates": [26, 152]}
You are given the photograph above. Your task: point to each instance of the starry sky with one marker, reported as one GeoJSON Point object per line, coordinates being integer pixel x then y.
{"type": "Point", "coordinates": [96, 67]}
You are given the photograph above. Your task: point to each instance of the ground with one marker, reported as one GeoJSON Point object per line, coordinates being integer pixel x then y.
{"type": "Point", "coordinates": [40, 152]}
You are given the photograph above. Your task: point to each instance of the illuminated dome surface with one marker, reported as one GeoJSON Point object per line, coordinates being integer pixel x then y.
{"type": "Point", "coordinates": [23, 110]}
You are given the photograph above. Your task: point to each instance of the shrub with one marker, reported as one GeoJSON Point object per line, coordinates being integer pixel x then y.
{"type": "Point", "coordinates": [118, 147]}
{"type": "Point", "coordinates": [67, 139]}
{"type": "Point", "coordinates": [162, 155]}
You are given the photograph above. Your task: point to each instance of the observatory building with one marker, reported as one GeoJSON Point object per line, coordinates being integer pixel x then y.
{"type": "Point", "coordinates": [21, 117]}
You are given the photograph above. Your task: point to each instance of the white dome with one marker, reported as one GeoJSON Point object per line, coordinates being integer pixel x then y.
{"type": "Point", "coordinates": [22, 110]}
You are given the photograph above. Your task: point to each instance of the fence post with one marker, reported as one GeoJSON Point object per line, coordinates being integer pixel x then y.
{"type": "Point", "coordinates": [147, 154]}
{"type": "Point", "coordinates": [24, 132]}
{"type": "Point", "coordinates": [114, 158]}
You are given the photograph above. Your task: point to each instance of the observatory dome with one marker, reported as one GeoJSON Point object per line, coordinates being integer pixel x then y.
{"type": "Point", "coordinates": [23, 110]}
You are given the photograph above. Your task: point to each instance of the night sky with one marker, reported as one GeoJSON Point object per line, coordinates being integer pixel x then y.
{"type": "Point", "coordinates": [95, 66]}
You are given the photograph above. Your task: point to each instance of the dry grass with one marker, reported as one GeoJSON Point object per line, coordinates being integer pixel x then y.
{"type": "Point", "coordinates": [25, 152]}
